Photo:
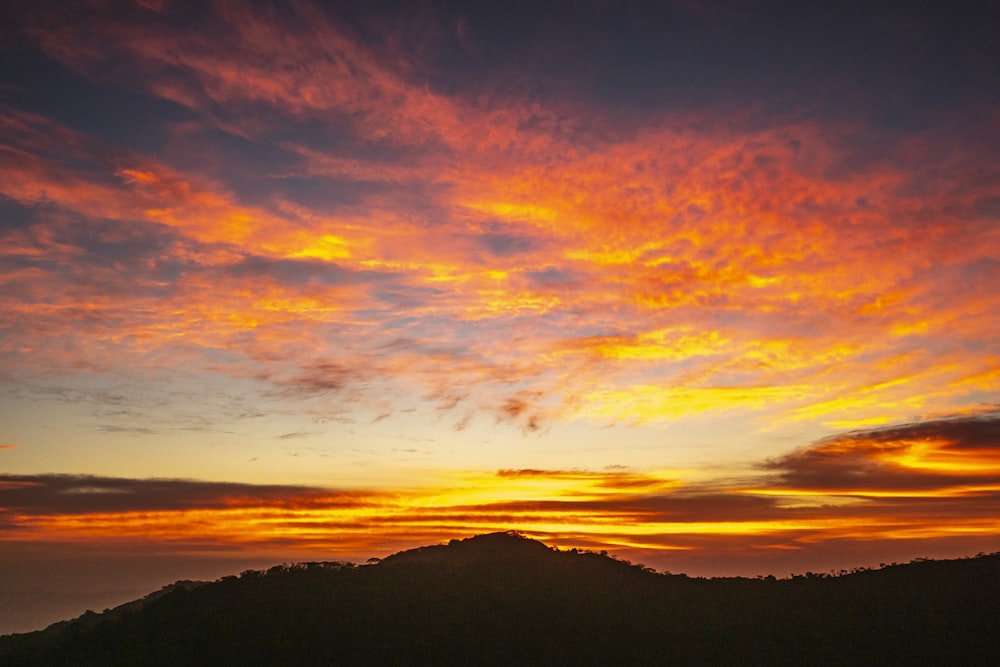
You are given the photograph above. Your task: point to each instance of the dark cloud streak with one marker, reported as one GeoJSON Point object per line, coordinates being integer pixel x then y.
{"type": "Point", "coordinates": [81, 494]}
{"type": "Point", "coordinates": [869, 459]}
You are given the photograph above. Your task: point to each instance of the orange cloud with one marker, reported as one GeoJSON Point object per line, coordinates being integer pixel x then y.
{"type": "Point", "coordinates": [694, 263]}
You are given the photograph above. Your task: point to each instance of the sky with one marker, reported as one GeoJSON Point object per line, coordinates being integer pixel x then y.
{"type": "Point", "coordinates": [709, 285]}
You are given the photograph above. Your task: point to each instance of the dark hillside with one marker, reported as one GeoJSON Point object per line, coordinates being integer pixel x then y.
{"type": "Point", "coordinates": [502, 599]}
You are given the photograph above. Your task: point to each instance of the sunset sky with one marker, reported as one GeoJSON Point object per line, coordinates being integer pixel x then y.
{"type": "Point", "coordinates": [711, 285]}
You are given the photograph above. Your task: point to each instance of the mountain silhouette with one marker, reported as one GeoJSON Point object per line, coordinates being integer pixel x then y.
{"type": "Point", "coordinates": [495, 548]}
{"type": "Point", "coordinates": [503, 599]}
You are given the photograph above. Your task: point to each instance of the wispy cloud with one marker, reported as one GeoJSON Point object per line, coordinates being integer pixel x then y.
{"type": "Point", "coordinates": [690, 261]}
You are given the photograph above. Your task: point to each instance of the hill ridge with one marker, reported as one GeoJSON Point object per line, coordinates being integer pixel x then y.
{"type": "Point", "coordinates": [503, 598]}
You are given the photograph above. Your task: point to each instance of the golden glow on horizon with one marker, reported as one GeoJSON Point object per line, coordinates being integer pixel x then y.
{"type": "Point", "coordinates": [651, 511]}
{"type": "Point", "coordinates": [432, 511]}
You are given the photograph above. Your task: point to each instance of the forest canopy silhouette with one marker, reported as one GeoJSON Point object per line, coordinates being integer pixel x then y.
{"type": "Point", "coordinates": [503, 599]}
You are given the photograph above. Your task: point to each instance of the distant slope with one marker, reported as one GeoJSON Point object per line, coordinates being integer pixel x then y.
{"type": "Point", "coordinates": [501, 599]}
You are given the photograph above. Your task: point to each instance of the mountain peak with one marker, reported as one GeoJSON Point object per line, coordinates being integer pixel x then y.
{"type": "Point", "coordinates": [510, 539]}
{"type": "Point", "coordinates": [500, 546]}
